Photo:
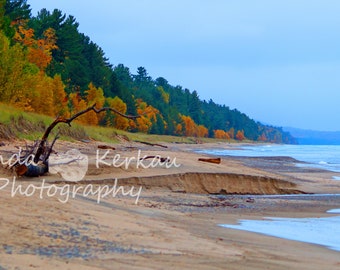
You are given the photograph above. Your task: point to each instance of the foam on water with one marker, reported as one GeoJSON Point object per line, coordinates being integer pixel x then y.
{"type": "Point", "coordinates": [334, 211]}
{"type": "Point", "coordinates": [319, 156]}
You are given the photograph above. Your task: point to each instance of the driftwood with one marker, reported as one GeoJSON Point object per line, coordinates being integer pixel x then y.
{"type": "Point", "coordinates": [210, 160]}
{"type": "Point", "coordinates": [162, 159]}
{"type": "Point", "coordinates": [103, 146]}
{"type": "Point", "coordinates": [152, 144]}
{"type": "Point", "coordinates": [68, 121]}
{"type": "Point", "coordinates": [41, 150]}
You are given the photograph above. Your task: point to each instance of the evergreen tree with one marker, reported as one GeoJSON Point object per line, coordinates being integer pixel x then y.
{"type": "Point", "coordinates": [17, 10]}
{"type": "Point", "coordinates": [195, 107]}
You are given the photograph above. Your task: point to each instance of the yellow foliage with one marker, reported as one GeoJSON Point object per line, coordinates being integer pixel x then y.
{"type": "Point", "coordinates": [94, 96]}
{"type": "Point", "coordinates": [165, 95]}
{"type": "Point", "coordinates": [189, 126]}
{"type": "Point", "coordinates": [119, 121]}
{"type": "Point", "coordinates": [59, 97]}
{"type": "Point", "coordinates": [148, 115]}
{"type": "Point", "coordinates": [143, 124]}
{"type": "Point", "coordinates": [13, 63]}
{"type": "Point", "coordinates": [82, 106]}
{"type": "Point", "coordinates": [78, 104]}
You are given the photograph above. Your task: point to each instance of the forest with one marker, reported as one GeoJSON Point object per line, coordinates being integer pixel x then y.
{"type": "Point", "coordinates": [47, 66]}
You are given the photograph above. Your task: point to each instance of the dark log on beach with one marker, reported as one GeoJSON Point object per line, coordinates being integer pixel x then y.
{"type": "Point", "coordinates": [103, 146]}
{"type": "Point", "coordinates": [152, 144]}
{"type": "Point", "coordinates": [162, 159]}
{"type": "Point", "coordinates": [211, 160]}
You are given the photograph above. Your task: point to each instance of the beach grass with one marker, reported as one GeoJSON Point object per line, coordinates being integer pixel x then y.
{"type": "Point", "coordinates": [18, 124]}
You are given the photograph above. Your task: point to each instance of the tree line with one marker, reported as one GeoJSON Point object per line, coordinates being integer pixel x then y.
{"type": "Point", "coordinates": [49, 67]}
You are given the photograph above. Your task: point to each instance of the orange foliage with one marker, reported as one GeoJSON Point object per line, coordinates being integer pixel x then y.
{"type": "Point", "coordinates": [179, 129]}
{"type": "Point", "coordinates": [78, 104]}
{"type": "Point", "coordinates": [75, 100]}
{"type": "Point", "coordinates": [148, 116]}
{"type": "Point", "coordinates": [240, 135]}
{"type": "Point", "coordinates": [189, 126]}
{"type": "Point", "coordinates": [24, 35]}
{"type": "Point", "coordinates": [192, 129]}
{"type": "Point", "coordinates": [221, 134]}
{"type": "Point", "coordinates": [119, 121]}
{"type": "Point", "coordinates": [263, 137]}
{"type": "Point", "coordinates": [39, 51]}
{"type": "Point", "coordinates": [202, 131]}
{"type": "Point", "coordinates": [132, 124]}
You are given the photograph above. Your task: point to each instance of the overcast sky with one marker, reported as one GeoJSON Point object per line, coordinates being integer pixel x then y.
{"type": "Point", "coordinates": [277, 61]}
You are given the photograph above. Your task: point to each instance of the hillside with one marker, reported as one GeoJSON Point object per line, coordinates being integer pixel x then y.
{"type": "Point", "coordinates": [51, 68]}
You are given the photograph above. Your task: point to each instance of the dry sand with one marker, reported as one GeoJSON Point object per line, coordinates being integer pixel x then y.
{"type": "Point", "coordinates": [174, 225]}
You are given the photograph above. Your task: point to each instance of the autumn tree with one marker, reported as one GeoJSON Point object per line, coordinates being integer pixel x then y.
{"type": "Point", "coordinates": [114, 119]}
{"type": "Point", "coordinates": [39, 52]}
{"type": "Point", "coordinates": [164, 95]}
{"type": "Point", "coordinates": [60, 99]}
{"type": "Point", "coordinates": [179, 129]}
{"type": "Point", "coordinates": [94, 95]}
{"type": "Point", "coordinates": [221, 134]}
{"type": "Point", "coordinates": [17, 75]}
{"type": "Point", "coordinates": [263, 137]}
{"type": "Point", "coordinates": [77, 103]}
{"type": "Point", "coordinates": [231, 133]}
{"type": "Point", "coordinates": [148, 116]}
{"type": "Point", "coordinates": [189, 126]}
{"type": "Point", "coordinates": [240, 135]}
{"type": "Point", "coordinates": [42, 98]}
{"type": "Point", "coordinates": [202, 131]}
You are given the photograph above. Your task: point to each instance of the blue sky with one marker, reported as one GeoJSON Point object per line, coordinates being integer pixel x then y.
{"type": "Point", "coordinates": [277, 61]}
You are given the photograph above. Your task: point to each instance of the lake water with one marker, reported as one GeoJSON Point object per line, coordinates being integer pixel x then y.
{"type": "Point", "coordinates": [318, 156]}
{"type": "Point", "coordinates": [323, 231]}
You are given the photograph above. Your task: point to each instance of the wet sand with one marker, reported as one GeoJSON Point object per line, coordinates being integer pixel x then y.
{"type": "Point", "coordinates": [174, 225]}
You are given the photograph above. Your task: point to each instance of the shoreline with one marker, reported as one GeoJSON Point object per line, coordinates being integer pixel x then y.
{"type": "Point", "coordinates": [171, 227]}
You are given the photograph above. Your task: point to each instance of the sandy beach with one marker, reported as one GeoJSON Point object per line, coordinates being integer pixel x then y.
{"type": "Point", "coordinates": [172, 223]}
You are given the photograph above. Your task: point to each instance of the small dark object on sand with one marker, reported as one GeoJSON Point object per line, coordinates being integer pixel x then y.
{"type": "Point", "coordinates": [210, 160]}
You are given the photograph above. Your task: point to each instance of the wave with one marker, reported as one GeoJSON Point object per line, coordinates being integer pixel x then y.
{"type": "Point", "coordinates": [325, 157]}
